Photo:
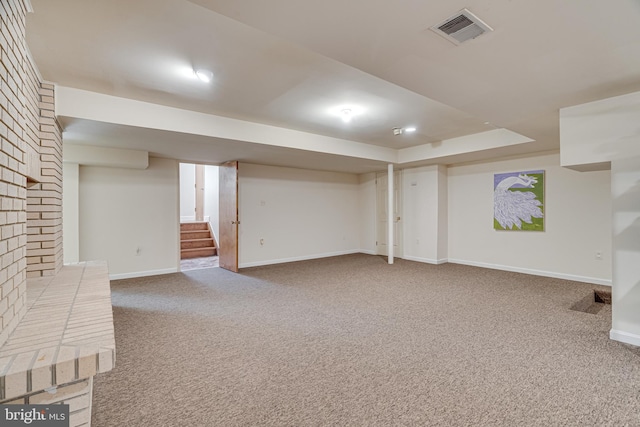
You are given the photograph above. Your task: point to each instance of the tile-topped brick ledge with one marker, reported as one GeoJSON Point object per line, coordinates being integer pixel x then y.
{"type": "Point", "coordinates": [65, 338]}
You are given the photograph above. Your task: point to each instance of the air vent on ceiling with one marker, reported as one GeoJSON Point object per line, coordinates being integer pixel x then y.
{"type": "Point", "coordinates": [461, 27]}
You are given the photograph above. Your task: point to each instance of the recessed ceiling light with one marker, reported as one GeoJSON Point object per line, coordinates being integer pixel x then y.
{"type": "Point", "coordinates": [346, 115]}
{"type": "Point", "coordinates": [204, 75]}
{"type": "Point", "coordinates": [410, 129]}
{"type": "Point", "coordinates": [346, 112]}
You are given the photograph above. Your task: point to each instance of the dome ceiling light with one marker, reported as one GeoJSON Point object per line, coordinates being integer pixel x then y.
{"type": "Point", "coordinates": [204, 75]}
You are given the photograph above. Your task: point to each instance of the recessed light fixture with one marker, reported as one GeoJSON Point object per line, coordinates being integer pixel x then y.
{"type": "Point", "coordinates": [410, 129]}
{"type": "Point", "coordinates": [346, 115]}
{"type": "Point", "coordinates": [346, 112]}
{"type": "Point", "coordinates": [204, 75]}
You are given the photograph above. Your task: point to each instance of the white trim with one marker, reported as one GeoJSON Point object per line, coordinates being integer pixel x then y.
{"type": "Point", "coordinates": [624, 337]}
{"type": "Point", "coordinates": [593, 280]}
{"type": "Point", "coordinates": [294, 259]}
{"type": "Point", "coordinates": [142, 274]}
{"type": "Point", "coordinates": [367, 252]}
{"type": "Point", "coordinates": [425, 260]}
{"type": "Point", "coordinates": [28, 5]}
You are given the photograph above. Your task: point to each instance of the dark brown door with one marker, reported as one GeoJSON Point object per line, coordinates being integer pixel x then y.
{"type": "Point", "coordinates": [229, 216]}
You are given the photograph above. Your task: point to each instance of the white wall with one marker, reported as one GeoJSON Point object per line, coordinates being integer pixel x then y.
{"type": "Point", "coordinates": [187, 192]}
{"type": "Point", "coordinates": [212, 198]}
{"type": "Point", "coordinates": [300, 214]}
{"type": "Point", "coordinates": [122, 210]}
{"type": "Point", "coordinates": [577, 222]}
{"type": "Point", "coordinates": [593, 134]}
{"type": "Point", "coordinates": [367, 213]}
{"type": "Point", "coordinates": [443, 213]}
{"type": "Point", "coordinates": [70, 212]}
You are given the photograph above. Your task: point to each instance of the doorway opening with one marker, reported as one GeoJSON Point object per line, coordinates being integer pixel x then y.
{"type": "Point", "coordinates": [199, 218]}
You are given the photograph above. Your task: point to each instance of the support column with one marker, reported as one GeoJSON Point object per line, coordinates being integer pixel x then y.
{"type": "Point", "coordinates": [625, 191]}
{"type": "Point", "coordinates": [390, 213]}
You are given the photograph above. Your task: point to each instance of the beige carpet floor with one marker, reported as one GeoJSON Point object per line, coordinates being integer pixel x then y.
{"type": "Point", "coordinates": [352, 341]}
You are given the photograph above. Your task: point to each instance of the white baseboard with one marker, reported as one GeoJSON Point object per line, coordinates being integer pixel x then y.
{"type": "Point", "coordinates": [624, 337]}
{"type": "Point", "coordinates": [293, 259]}
{"type": "Point", "coordinates": [534, 272]}
{"type": "Point", "coordinates": [424, 260]}
{"type": "Point", "coordinates": [367, 252]}
{"type": "Point", "coordinates": [142, 274]}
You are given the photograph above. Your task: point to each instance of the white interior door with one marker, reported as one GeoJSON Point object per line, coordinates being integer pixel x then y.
{"type": "Point", "coordinates": [382, 215]}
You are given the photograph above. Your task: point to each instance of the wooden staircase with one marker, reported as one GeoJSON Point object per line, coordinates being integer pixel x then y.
{"type": "Point", "coordinates": [196, 240]}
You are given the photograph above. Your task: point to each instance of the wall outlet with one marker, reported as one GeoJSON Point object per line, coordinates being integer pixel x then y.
{"type": "Point", "coordinates": [599, 256]}
{"type": "Point", "coordinates": [138, 251]}
{"type": "Point", "coordinates": [261, 242]}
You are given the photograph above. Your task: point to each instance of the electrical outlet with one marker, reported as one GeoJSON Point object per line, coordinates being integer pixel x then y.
{"type": "Point", "coordinates": [261, 242]}
{"type": "Point", "coordinates": [599, 256]}
{"type": "Point", "coordinates": [138, 250]}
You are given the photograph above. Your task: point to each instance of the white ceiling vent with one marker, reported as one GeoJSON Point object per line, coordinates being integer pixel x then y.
{"type": "Point", "coordinates": [461, 27]}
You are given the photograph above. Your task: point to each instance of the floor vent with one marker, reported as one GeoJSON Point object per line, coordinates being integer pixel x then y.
{"type": "Point", "coordinates": [461, 27]}
{"type": "Point", "coordinates": [593, 302]}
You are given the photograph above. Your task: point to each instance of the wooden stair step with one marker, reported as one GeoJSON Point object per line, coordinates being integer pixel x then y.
{"type": "Point", "coordinates": [188, 226]}
{"type": "Point", "coordinates": [194, 235]}
{"type": "Point", "coordinates": [197, 252]}
{"type": "Point", "coordinates": [197, 243]}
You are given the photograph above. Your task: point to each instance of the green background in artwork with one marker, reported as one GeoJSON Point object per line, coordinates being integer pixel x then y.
{"type": "Point", "coordinates": [537, 224]}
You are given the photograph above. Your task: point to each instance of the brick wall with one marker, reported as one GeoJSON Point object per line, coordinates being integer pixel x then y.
{"type": "Point", "coordinates": [44, 199]}
{"type": "Point", "coordinates": [77, 395]}
{"type": "Point", "coordinates": [26, 123]}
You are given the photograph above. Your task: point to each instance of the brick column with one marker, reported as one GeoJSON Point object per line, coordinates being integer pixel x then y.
{"type": "Point", "coordinates": [44, 199]}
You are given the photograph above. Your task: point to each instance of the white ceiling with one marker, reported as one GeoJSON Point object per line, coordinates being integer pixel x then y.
{"type": "Point", "coordinates": [287, 63]}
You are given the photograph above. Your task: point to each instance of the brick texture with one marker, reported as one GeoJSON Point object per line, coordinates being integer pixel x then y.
{"type": "Point", "coordinates": [44, 199]}
{"type": "Point", "coordinates": [30, 146]}
{"type": "Point", "coordinates": [77, 395]}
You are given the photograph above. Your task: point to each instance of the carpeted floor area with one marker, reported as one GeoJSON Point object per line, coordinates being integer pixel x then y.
{"type": "Point", "coordinates": [352, 341]}
{"type": "Point", "coordinates": [199, 263]}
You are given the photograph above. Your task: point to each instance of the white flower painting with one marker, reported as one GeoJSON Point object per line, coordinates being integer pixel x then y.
{"type": "Point", "coordinates": [518, 201]}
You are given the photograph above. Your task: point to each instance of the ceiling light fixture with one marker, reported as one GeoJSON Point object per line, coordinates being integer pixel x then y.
{"type": "Point", "coordinates": [346, 115]}
{"type": "Point", "coordinates": [204, 75]}
{"type": "Point", "coordinates": [399, 131]}
{"type": "Point", "coordinates": [346, 112]}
